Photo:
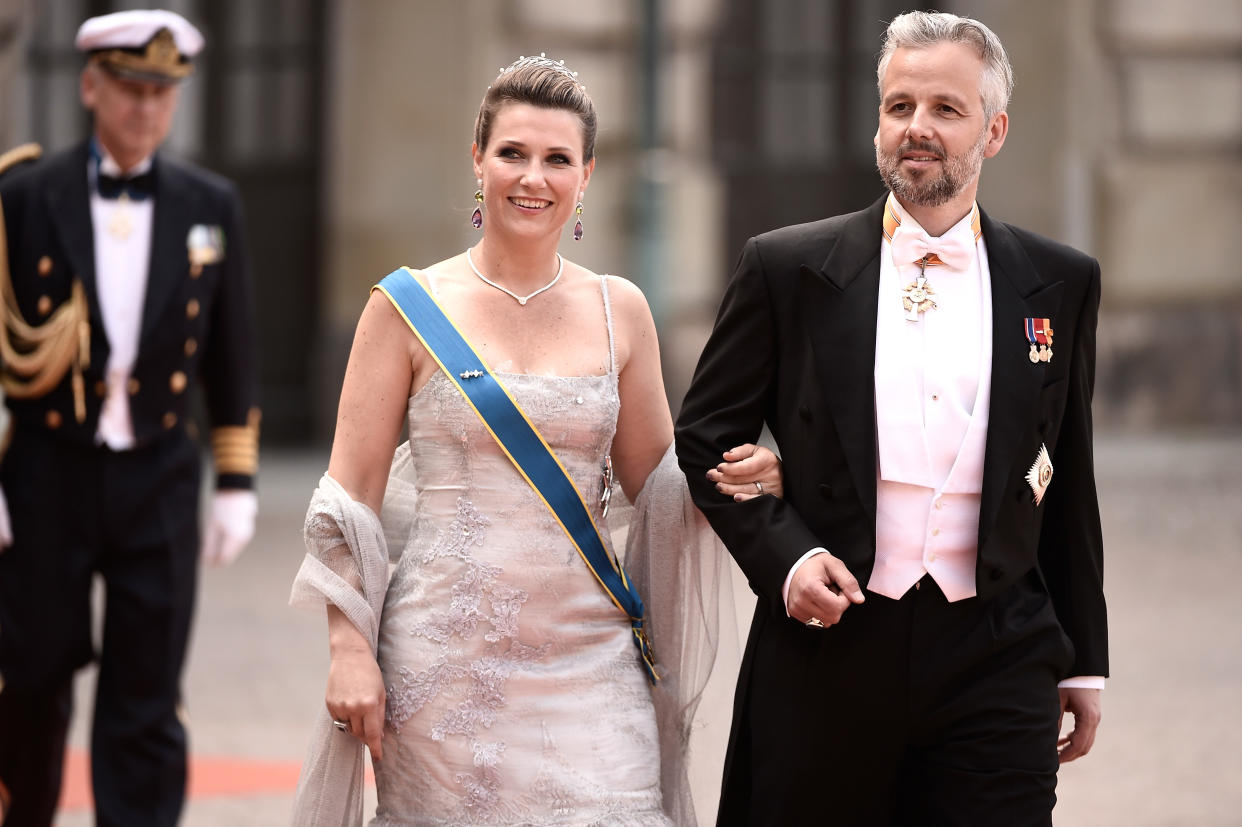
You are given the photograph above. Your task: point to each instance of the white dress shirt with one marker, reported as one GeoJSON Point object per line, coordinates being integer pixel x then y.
{"type": "Point", "coordinates": [122, 232]}
{"type": "Point", "coordinates": [932, 388]}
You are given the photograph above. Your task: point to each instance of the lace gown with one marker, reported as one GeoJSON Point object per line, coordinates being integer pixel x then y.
{"type": "Point", "coordinates": [515, 692]}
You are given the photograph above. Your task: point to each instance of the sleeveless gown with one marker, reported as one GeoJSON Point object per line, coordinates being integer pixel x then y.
{"type": "Point", "coordinates": [515, 692]}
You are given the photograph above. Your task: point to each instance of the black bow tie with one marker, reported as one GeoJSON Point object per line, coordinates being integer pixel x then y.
{"type": "Point", "coordinates": [136, 188]}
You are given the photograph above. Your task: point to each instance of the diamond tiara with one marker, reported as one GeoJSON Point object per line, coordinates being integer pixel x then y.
{"type": "Point", "coordinates": [544, 61]}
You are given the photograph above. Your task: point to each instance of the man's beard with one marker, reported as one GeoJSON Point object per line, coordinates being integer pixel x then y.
{"type": "Point", "coordinates": [924, 188]}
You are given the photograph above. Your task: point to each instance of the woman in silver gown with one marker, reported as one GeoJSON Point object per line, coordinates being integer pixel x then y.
{"type": "Point", "coordinates": [497, 683]}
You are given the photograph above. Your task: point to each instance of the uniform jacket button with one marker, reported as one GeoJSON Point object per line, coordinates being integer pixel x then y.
{"type": "Point", "coordinates": [191, 309]}
{"type": "Point", "coordinates": [44, 306]}
{"type": "Point", "coordinates": [101, 388]}
{"type": "Point", "coordinates": [133, 386]}
{"type": "Point", "coordinates": [45, 266]}
{"type": "Point", "coordinates": [170, 420]}
{"type": "Point", "coordinates": [177, 381]}
{"type": "Point", "coordinates": [191, 346]}
{"type": "Point", "coordinates": [53, 419]}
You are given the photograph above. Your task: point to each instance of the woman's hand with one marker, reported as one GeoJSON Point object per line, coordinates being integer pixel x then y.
{"type": "Point", "coordinates": [748, 471]}
{"type": "Point", "coordinates": [356, 696]}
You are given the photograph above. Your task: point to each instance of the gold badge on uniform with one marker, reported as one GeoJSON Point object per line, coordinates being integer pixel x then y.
{"type": "Point", "coordinates": [1040, 474]}
{"type": "Point", "coordinates": [205, 244]}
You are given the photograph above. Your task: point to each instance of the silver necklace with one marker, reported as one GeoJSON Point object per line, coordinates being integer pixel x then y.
{"type": "Point", "coordinates": [522, 300]}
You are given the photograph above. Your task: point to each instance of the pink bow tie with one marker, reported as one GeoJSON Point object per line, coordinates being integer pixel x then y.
{"type": "Point", "coordinates": [911, 244]}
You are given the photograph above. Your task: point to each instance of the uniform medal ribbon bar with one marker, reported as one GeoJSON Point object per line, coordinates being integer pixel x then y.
{"type": "Point", "coordinates": [520, 440]}
{"type": "Point", "coordinates": [1039, 335]}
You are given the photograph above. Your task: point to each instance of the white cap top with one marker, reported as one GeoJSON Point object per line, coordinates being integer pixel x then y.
{"type": "Point", "coordinates": [134, 29]}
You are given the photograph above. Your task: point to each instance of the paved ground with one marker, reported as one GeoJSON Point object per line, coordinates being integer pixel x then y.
{"type": "Point", "coordinates": [1168, 751]}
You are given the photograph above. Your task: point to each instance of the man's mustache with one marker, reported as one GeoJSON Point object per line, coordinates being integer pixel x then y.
{"type": "Point", "coordinates": [922, 146]}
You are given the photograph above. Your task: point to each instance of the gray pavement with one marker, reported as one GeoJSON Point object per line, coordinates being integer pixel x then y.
{"type": "Point", "coordinates": [1168, 751]}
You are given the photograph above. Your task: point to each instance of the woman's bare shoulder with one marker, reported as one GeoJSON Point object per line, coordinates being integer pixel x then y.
{"type": "Point", "coordinates": [627, 300]}
{"type": "Point", "coordinates": [444, 267]}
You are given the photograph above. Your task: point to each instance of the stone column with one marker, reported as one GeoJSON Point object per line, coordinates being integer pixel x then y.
{"type": "Point", "coordinates": [1169, 206]}
{"type": "Point", "coordinates": [14, 20]}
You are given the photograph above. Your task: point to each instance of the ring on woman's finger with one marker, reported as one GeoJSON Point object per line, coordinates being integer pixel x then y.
{"type": "Point", "coordinates": [343, 726]}
{"type": "Point", "coordinates": [815, 623]}
{"type": "Point", "coordinates": [759, 486]}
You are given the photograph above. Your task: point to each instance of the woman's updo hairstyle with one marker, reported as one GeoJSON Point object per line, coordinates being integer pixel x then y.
{"type": "Point", "coordinates": [543, 82]}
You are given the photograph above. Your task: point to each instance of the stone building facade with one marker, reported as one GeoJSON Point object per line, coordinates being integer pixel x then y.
{"type": "Point", "coordinates": [719, 119]}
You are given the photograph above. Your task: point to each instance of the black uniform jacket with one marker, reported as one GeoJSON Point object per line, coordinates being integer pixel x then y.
{"type": "Point", "coordinates": [794, 347]}
{"type": "Point", "coordinates": [197, 321]}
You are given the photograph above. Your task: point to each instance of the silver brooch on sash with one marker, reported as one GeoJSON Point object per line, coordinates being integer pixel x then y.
{"type": "Point", "coordinates": [1040, 474]}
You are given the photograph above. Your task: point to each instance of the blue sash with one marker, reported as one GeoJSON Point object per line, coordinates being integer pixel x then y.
{"type": "Point", "coordinates": [519, 439]}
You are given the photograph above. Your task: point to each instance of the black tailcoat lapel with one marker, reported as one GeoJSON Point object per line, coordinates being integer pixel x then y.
{"type": "Point", "coordinates": [1018, 292]}
{"type": "Point", "coordinates": [175, 204]}
{"type": "Point", "coordinates": [69, 208]}
{"type": "Point", "coordinates": [840, 313]}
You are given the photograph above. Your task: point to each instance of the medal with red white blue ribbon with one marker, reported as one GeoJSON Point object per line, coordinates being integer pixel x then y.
{"type": "Point", "coordinates": [1039, 334]}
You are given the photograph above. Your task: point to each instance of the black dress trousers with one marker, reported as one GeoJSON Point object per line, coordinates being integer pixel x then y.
{"type": "Point", "coordinates": [926, 713]}
{"type": "Point", "coordinates": [129, 517]}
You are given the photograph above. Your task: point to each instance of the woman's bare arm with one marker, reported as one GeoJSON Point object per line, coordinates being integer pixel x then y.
{"type": "Point", "coordinates": [372, 409]}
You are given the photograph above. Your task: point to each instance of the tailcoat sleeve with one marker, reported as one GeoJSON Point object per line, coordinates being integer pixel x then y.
{"type": "Point", "coordinates": [229, 368]}
{"type": "Point", "coordinates": [1071, 555]}
{"type": "Point", "coordinates": [731, 396]}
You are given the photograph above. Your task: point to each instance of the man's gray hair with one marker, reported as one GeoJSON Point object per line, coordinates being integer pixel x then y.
{"type": "Point", "coordinates": [920, 30]}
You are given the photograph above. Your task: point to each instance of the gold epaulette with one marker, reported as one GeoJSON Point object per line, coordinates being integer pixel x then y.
{"type": "Point", "coordinates": [20, 154]}
{"type": "Point", "coordinates": [35, 358]}
{"type": "Point", "coordinates": [236, 447]}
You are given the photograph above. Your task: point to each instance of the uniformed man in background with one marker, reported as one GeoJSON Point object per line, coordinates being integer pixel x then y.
{"type": "Point", "coordinates": [125, 284]}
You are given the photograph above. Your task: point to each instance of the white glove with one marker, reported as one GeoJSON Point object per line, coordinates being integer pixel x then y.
{"type": "Point", "coordinates": [231, 525]}
{"type": "Point", "coordinates": [6, 528]}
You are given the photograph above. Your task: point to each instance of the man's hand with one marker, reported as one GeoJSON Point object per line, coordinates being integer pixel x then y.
{"type": "Point", "coordinates": [230, 526]}
{"type": "Point", "coordinates": [6, 528]}
{"type": "Point", "coordinates": [822, 589]}
{"type": "Point", "coordinates": [1084, 705]}
{"type": "Point", "coordinates": [748, 471]}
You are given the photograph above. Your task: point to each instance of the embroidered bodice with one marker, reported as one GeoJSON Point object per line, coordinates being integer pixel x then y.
{"type": "Point", "coordinates": [515, 694]}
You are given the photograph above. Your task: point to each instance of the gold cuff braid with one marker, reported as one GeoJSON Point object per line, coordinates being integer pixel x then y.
{"type": "Point", "coordinates": [236, 447]}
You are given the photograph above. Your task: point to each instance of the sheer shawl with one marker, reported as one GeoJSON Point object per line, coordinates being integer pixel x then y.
{"type": "Point", "coordinates": [683, 573]}
{"type": "Point", "coordinates": [679, 566]}
{"type": "Point", "coordinates": [346, 565]}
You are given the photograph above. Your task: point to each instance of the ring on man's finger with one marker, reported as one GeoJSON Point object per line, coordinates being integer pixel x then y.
{"type": "Point", "coordinates": [759, 486]}
{"type": "Point", "coordinates": [343, 726]}
{"type": "Point", "coordinates": [815, 623]}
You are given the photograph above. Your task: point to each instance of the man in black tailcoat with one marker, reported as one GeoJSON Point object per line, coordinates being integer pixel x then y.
{"type": "Point", "coordinates": [125, 286]}
{"type": "Point", "coordinates": [930, 588]}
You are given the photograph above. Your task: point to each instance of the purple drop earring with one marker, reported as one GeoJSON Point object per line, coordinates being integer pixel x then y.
{"type": "Point", "coordinates": [578, 223]}
{"type": "Point", "coordinates": [476, 217]}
